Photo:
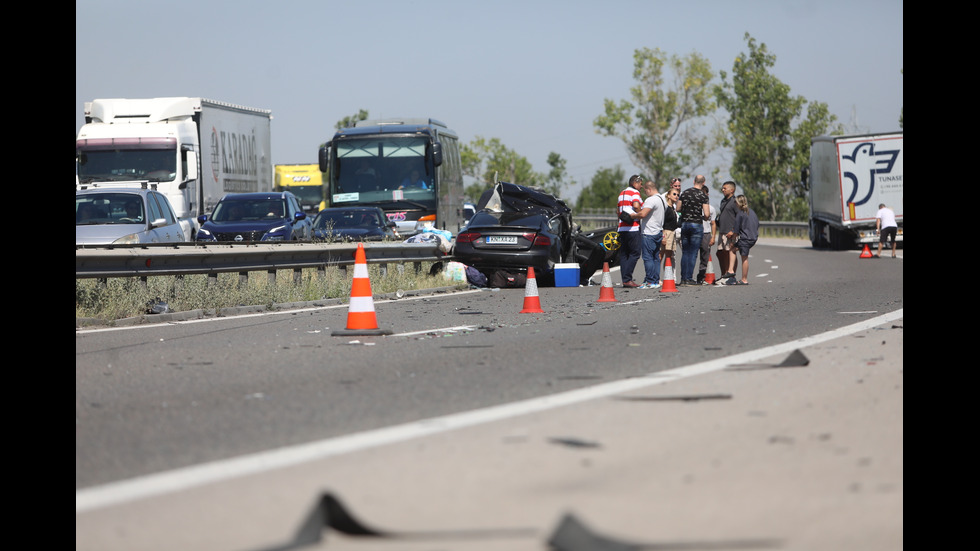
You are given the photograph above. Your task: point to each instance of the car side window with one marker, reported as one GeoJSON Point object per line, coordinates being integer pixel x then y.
{"type": "Point", "coordinates": [164, 208]}
{"type": "Point", "coordinates": [556, 226]}
{"type": "Point", "coordinates": [153, 207]}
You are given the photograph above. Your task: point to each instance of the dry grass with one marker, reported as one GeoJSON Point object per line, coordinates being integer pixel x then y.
{"type": "Point", "coordinates": [119, 298]}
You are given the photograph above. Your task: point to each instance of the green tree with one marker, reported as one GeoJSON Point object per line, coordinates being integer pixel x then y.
{"type": "Point", "coordinates": [663, 126]}
{"type": "Point", "coordinates": [555, 181]}
{"type": "Point", "coordinates": [488, 159]}
{"type": "Point", "coordinates": [604, 190]}
{"type": "Point", "coordinates": [349, 121]}
{"type": "Point", "coordinates": [768, 150]}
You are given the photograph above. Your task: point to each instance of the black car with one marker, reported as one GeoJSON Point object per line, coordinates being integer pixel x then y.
{"type": "Point", "coordinates": [353, 224]}
{"type": "Point", "coordinates": [257, 216]}
{"type": "Point", "coordinates": [517, 227]}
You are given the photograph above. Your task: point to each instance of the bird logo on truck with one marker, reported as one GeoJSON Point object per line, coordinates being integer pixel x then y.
{"type": "Point", "coordinates": [863, 167]}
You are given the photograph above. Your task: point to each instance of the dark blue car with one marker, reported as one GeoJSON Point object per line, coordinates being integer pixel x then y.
{"type": "Point", "coordinates": [353, 224]}
{"type": "Point", "coordinates": [261, 216]}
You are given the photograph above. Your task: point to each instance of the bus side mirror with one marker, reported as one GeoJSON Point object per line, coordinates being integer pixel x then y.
{"type": "Point", "coordinates": [324, 157]}
{"type": "Point", "coordinates": [436, 154]}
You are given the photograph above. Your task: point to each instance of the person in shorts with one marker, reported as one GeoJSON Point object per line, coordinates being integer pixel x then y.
{"type": "Point", "coordinates": [747, 229]}
{"type": "Point", "coordinates": [886, 226]}
{"type": "Point", "coordinates": [726, 233]}
{"type": "Point", "coordinates": [669, 244]}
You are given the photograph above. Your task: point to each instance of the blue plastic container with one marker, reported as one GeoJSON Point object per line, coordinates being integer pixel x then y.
{"type": "Point", "coordinates": [566, 275]}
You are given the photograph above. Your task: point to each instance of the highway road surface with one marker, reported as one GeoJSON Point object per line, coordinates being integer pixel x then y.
{"type": "Point", "coordinates": [791, 437]}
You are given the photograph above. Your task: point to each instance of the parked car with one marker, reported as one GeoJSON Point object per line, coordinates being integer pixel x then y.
{"type": "Point", "coordinates": [353, 224]}
{"type": "Point", "coordinates": [469, 209]}
{"type": "Point", "coordinates": [257, 216]}
{"type": "Point", "coordinates": [123, 216]}
{"type": "Point", "coordinates": [516, 227]}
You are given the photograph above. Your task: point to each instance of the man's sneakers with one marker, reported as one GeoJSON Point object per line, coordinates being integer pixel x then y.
{"type": "Point", "coordinates": [650, 286]}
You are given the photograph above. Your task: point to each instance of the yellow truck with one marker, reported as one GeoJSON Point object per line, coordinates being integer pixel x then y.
{"type": "Point", "coordinates": [305, 182]}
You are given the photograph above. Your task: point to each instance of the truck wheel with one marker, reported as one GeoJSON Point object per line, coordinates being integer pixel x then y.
{"type": "Point", "coordinates": [817, 237]}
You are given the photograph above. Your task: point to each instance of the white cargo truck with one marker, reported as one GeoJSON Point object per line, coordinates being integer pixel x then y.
{"type": "Point", "coordinates": [848, 178]}
{"type": "Point", "coordinates": [194, 150]}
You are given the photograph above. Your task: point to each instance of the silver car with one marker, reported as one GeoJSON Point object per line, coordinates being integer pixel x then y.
{"type": "Point", "coordinates": [122, 216]}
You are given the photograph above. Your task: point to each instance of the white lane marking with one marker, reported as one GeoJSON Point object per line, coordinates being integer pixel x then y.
{"type": "Point", "coordinates": [90, 499]}
{"type": "Point", "coordinates": [442, 330]}
{"type": "Point", "coordinates": [258, 314]}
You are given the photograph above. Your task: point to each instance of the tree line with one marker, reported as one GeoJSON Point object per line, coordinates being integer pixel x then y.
{"type": "Point", "coordinates": [680, 114]}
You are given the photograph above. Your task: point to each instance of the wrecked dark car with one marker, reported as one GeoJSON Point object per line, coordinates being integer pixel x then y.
{"type": "Point", "coordinates": [516, 227]}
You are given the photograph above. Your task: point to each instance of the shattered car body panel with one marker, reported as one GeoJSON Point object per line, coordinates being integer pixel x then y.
{"type": "Point", "coordinates": [517, 227]}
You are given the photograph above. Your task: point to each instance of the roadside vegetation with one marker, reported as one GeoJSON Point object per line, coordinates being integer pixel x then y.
{"type": "Point", "coordinates": [120, 298]}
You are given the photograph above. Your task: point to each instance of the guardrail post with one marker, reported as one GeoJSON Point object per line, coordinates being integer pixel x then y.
{"type": "Point", "coordinates": [272, 277]}
{"type": "Point", "coordinates": [297, 276]}
{"type": "Point", "coordinates": [383, 268]}
{"type": "Point", "coordinates": [242, 280]}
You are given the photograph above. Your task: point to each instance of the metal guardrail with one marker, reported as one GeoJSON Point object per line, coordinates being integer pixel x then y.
{"type": "Point", "coordinates": [212, 259]}
{"type": "Point", "coordinates": [188, 259]}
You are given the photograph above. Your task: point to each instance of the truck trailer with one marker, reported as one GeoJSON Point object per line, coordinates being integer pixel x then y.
{"type": "Point", "coordinates": [194, 150]}
{"type": "Point", "coordinates": [848, 178]}
{"type": "Point", "coordinates": [306, 183]}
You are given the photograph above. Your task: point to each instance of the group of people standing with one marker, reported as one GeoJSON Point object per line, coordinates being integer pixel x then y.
{"type": "Point", "coordinates": [650, 228]}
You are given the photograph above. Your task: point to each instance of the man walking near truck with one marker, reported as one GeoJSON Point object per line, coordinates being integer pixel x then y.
{"type": "Point", "coordinates": [886, 227]}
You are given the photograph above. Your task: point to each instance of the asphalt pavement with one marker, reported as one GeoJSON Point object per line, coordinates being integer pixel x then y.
{"type": "Point", "coordinates": [800, 449]}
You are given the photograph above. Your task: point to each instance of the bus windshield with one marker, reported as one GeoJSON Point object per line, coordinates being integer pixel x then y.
{"type": "Point", "coordinates": [382, 170]}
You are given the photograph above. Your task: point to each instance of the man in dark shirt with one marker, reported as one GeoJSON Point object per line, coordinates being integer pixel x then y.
{"type": "Point", "coordinates": [726, 231]}
{"type": "Point", "coordinates": [694, 211]}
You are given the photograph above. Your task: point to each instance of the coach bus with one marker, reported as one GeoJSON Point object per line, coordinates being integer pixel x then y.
{"type": "Point", "coordinates": [410, 168]}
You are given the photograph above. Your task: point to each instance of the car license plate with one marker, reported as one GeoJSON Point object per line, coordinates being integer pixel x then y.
{"type": "Point", "coordinates": [501, 240]}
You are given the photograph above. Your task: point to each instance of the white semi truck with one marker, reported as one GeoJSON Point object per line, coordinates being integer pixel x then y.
{"type": "Point", "coordinates": [848, 177]}
{"type": "Point", "coordinates": [194, 150]}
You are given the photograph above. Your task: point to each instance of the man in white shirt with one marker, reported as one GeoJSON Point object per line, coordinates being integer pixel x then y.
{"type": "Point", "coordinates": [886, 227]}
{"type": "Point", "coordinates": [651, 216]}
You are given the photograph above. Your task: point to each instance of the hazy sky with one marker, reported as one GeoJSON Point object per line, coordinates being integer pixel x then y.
{"type": "Point", "coordinates": [533, 73]}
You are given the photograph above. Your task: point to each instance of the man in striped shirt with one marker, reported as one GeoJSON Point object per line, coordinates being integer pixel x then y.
{"type": "Point", "coordinates": [629, 232]}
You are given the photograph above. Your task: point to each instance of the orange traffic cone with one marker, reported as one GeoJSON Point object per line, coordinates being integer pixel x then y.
{"type": "Point", "coordinates": [709, 276]}
{"type": "Point", "coordinates": [531, 303]}
{"type": "Point", "coordinates": [606, 293]}
{"type": "Point", "coordinates": [866, 253]}
{"type": "Point", "coordinates": [669, 286]}
{"type": "Point", "coordinates": [360, 314]}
